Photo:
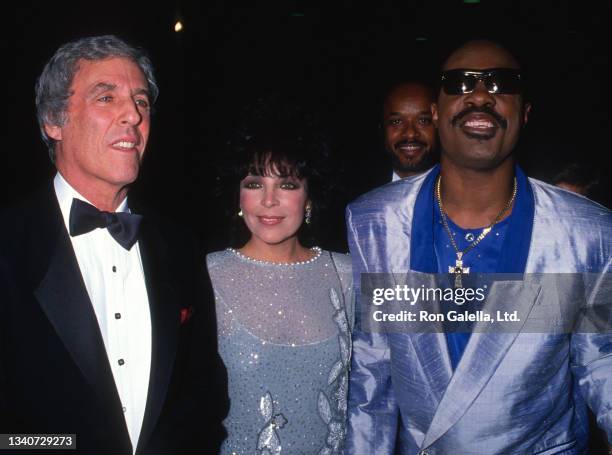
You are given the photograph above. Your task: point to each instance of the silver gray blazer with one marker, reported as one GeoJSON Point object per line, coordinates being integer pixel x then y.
{"type": "Point", "coordinates": [523, 393]}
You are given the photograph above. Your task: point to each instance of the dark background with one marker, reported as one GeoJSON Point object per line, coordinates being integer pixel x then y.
{"type": "Point", "coordinates": [340, 56]}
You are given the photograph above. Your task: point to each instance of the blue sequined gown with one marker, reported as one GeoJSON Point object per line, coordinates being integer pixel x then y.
{"type": "Point", "coordinates": [284, 336]}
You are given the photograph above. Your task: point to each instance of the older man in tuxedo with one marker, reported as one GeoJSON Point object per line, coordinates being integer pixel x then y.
{"type": "Point", "coordinates": [473, 392]}
{"type": "Point", "coordinates": [105, 329]}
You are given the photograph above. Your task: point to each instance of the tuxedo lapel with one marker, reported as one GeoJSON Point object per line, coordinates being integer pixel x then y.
{"type": "Point", "coordinates": [483, 355]}
{"type": "Point", "coordinates": [164, 322]}
{"type": "Point", "coordinates": [63, 298]}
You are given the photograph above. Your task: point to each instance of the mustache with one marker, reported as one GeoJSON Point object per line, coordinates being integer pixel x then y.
{"type": "Point", "coordinates": [404, 142]}
{"type": "Point", "coordinates": [502, 122]}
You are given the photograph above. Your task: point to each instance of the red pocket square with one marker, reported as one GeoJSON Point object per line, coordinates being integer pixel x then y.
{"type": "Point", "coordinates": [186, 314]}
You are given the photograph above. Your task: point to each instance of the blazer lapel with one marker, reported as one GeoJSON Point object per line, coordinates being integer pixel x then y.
{"type": "Point", "coordinates": [63, 298]}
{"type": "Point", "coordinates": [432, 353]}
{"type": "Point", "coordinates": [483, 354]}
{"type": "Point", "coordinates": [429, 341]}
{"type": "Point", "coordinates": [165, 323]}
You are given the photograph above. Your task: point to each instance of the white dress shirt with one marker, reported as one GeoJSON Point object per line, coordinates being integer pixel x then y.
{"type": "Point", "coordinates": [114, 279]}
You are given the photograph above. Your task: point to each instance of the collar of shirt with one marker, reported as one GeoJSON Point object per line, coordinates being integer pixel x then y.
{"type": "Point", "coordinates": [65, 193]}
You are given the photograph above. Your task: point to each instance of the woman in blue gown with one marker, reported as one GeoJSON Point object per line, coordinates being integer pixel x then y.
{"type": "Point", "coordinates": [284, 311]}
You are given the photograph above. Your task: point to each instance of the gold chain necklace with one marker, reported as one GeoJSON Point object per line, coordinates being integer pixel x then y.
{"type": "Point", "coordinates": [458, 270]}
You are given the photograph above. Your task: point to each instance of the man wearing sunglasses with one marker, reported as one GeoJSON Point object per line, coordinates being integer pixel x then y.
{"type": "Point", "coordinates": [482, 391]}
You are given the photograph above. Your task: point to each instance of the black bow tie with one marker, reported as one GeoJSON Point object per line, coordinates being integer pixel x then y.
{"type": "Point", "coordinates": [123, 227]}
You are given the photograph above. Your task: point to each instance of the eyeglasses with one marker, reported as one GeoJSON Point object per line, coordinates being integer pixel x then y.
{"type": "Point", "coordinates": [498, 81]}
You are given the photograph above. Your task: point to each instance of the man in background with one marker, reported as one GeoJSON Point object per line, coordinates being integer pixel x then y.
{"type": "Point", "coordinates": [577, 177]}
{"type": "Point", "coordinates": [409, 133]}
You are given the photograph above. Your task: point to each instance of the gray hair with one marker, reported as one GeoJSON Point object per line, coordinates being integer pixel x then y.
{"type": "Point", "coordinates": [53, 85]}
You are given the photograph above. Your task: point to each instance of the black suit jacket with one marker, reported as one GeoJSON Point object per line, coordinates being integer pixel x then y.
{"type": "Point", "coordinates": [55, 376]}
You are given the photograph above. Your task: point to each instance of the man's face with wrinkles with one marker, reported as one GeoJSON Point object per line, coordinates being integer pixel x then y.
{"type": "Point", "coordinates": [103, 139]}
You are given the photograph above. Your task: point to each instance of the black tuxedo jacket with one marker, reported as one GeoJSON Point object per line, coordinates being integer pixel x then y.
{"type": "Point", "coordinates": [54, 372]}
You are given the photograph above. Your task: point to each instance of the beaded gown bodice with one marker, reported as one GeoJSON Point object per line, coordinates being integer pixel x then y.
{"type": "Point", "coordinates": [284, 336]}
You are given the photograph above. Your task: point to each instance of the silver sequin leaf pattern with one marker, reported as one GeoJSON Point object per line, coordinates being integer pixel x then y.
{"type": "Point", "coordinates": [268, 442]}
{"type": "Point", "coordinates": [333, 295]}
{"type": "Point", "coordinates": [266, 407]}
{"type": "Point", "coordinates": [341, 394]}
{"type": "Point", "coordinates": [335, 437]}
{"type": "Point", "coordinates": [341, 322]}
{"type": "Point", "coordinates": [338, 375]}
{"type": "Point", "coordinates": [324, 408]}
{"type": "Point", "coordinates": [279, 421]}
{"type": "Point", "coordinates": [345, 350]}
{"type": "Point", "coordinates": [335, 372]}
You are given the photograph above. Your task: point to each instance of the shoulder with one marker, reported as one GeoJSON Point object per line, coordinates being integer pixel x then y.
{"type": "Point", "coordinates": [342, 261]}
{"type": "Point", "coordinates": [579, 227]}
{"type": "Point", "coordinates": [170, 246]}
{"type": "Point", "coordinates": [387, 196]}
{"type": "Point", "coordinates": [567, 207]}
{"type": "Point", "coordinates": [164, 235]}
{"type": "Point", "coordinates": [343, 266]}
{"type": "Point", "coordinates": [217, 259]}
{"type": "Point", "coordinates": [36, 208]}
{"type": "Point", "coordinates": [30, 227]}
{"type": "Point", "coordinates": [168, 227]}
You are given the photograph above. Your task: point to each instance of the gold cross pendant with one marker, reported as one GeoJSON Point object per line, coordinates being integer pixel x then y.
{"type": "Point", "coordinates": [458, 270]}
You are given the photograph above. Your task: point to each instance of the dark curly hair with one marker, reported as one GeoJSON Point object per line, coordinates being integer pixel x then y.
{"type": "Point", "coordinates": [275, 137]}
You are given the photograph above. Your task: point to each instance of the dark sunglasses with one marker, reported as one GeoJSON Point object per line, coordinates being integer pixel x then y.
{"type": "Point", "coordinates": [498, 81]}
